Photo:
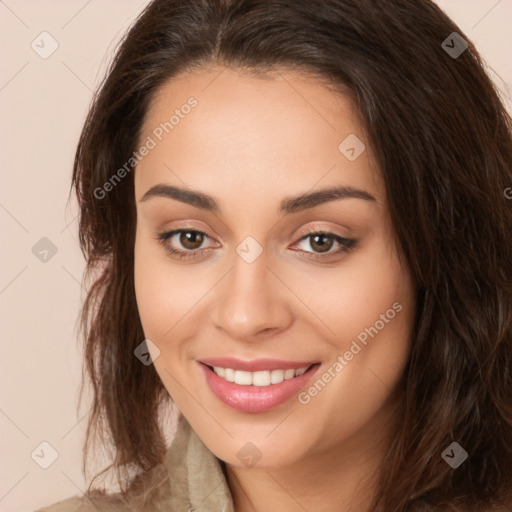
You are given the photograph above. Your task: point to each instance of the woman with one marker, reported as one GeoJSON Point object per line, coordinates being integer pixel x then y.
{"type": "Point", "coordinates": [295, 218]}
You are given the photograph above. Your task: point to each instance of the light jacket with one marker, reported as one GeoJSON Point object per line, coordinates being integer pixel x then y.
{"type": "Point", "coordinates": [190, 479]}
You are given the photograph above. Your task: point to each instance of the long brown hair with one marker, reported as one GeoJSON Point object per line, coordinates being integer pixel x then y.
{"type": "Point", "coordinates": [443, 141]}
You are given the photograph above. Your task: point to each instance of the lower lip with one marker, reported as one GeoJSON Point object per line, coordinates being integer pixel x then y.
{"type": "Point", "coordinates": [255, 398]}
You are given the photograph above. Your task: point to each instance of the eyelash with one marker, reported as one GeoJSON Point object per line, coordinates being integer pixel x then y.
{"type": "Point", "coordinates": [348, 244]}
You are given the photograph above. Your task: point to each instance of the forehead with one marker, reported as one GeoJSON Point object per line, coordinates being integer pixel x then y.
{"type": "Point", "coordinates": [282, 130]}
{"type": "Point", "coordinates": [268, 102]}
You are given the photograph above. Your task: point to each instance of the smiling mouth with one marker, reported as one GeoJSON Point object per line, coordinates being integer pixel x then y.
{"type": "Point", "coordinates": [270, 383]}
{"type": "Point", "coordinates": [258, 378]}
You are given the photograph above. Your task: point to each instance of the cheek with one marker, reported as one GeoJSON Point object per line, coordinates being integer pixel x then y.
{"type": "Point", "coordinates": [163, 292]}
{"type": "Point", "coordinates": [374, 349]}
{"type": "Point", "coordinates": [375, 325]}
{"type": "Point", "coordinates": [155, 288]}
{"type": "Point", "coordinates": [163, 300]}
{"type": "Point", "coordinates": [353, 296]}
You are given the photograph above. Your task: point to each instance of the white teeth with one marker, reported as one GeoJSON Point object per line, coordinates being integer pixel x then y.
{"type": "Point", "coordinates": [260, 378]}
{"type": "Point", "coordinates": [244, 378]}
{"type": "Point", "coordinates": [229, 374]}
{"type": "Point", "coordinates": [276, 376]}
{"type": "Point", "coordinates": [289, 374]}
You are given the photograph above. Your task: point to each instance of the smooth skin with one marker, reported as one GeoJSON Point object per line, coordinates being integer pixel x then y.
{"type": "Point", "coordinates": [250, 142]}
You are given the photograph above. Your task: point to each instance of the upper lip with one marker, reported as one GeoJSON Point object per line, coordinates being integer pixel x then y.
{"type": "Point", "coordinates": [256, 364]}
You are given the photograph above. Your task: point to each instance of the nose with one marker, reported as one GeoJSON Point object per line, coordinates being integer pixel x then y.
{"type": "Point", "coordinates": [251, 301]}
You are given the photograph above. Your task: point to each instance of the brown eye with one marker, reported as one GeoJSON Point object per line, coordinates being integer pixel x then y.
{"type": "Point", "coordinates": [318, 244]}
{"type": "Point", "coordinates": [191, 240]}
{"type": "Point", "coordinates": [183, 243]}
{"type": "Point", "coordinates": [321, 242]}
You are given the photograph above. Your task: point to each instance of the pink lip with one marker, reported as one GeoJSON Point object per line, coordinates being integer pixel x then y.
{"type": "Point", "coordinates": [255, 398]}
{"type": "Point", "coordinates": [255, 365]}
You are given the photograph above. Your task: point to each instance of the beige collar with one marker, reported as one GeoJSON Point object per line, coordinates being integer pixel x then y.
{"type": "Point", "coordinates": [196, 479]}
{"type": "Point", "coordinates": [190, 479]}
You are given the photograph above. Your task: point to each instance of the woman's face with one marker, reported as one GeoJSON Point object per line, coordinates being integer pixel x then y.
{"type": "Point", "coordinates": [228, 155]}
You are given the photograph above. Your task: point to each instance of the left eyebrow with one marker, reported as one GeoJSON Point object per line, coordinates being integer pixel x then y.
{"type": "Point", "coordinates": [288, 205]}
{"type": "Point", "coordinates": [305, 201]}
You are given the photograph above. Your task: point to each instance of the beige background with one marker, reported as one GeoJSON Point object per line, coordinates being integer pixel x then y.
{"type": "Point", "coordinates": [43, 104]}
